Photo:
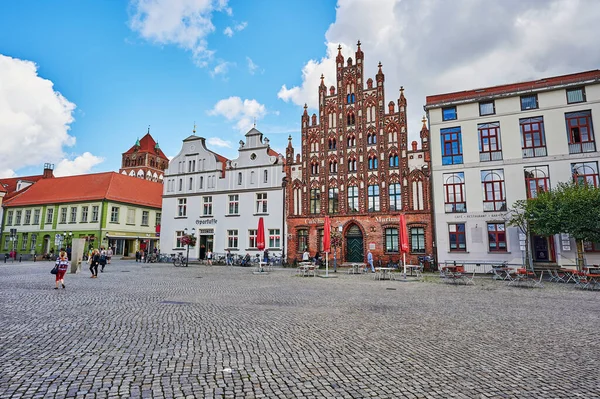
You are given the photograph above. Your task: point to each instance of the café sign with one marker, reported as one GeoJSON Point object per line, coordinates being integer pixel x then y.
{"type": "Point", "coordinates": [206, 221]}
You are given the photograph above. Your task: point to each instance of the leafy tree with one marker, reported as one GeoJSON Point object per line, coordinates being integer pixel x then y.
{"type": "Point", "coordinates": [569, 208]}
{"type": "Point", "coordinates": [519, 216]}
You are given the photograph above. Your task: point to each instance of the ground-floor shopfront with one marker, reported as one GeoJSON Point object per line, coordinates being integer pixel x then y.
{"type": "Point", "coordinates": [360, 234]}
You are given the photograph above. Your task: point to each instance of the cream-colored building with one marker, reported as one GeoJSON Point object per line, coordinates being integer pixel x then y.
{"type": "Point", "coordinates": [493, 146]}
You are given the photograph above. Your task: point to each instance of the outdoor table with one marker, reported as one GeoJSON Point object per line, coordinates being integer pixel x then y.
{"type": "Point", "coordinates": [569, 274]}
{"type": "Point", "coordinates": [304, 269]}
{"type": "Point", "coordinates": [383, 273]}
{"type": "Point", "coordinates": [261, 267]}
{"type": "Point", "coordinates": [356, 268]}
{"type": "Point", "coordinates": [416, 268]}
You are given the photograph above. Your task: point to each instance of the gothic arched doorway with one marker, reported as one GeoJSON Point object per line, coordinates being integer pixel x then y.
{"type": "Point", "coordinates": [354, 245]}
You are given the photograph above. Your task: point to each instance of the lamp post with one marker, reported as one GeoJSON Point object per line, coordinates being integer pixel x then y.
{"type": "Point", "coordinates": [187, 256]}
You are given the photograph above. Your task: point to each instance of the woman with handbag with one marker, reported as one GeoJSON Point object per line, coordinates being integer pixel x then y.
{"type": "Point", "coordinates": [62, 264]}
{"type": "Point", "coordinates": [94, 263]}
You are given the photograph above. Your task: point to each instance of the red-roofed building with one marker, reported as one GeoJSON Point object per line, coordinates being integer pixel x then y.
{"type": "Point", "coordinates": [105, 209]}
{"type": "Point", "coordinates": [145, 160]}
{"type": "Point", "coordinates": [493, 146]}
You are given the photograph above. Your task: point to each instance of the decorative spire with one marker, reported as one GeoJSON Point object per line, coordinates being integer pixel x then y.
{"type": "Point", "coordinates": [305, 109]}
{"type": "Point", "coordinates": [339, 59]}
{"type": "Point", "coordinates": [358, 44]}
{"type": "Point", "coordinates": [156, 147]}
{"type": "Point", "coordinates": [379, 66]}
{"type": "Point", "coordinates": [137, 142]}
{"type": "Point", "coordinates": [194, 131]}
{"type": "Point", "coordinates": [148, 129]}
{"type": "Point", "coordinates": [401, 91]}
{"type": "Point", "coordinates": [424, 120]}
{"type": "Point", "coordinates": [255, 121]}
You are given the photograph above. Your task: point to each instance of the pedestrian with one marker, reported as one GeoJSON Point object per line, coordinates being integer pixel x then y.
{"type": "Point", "coordinates": [94, 263]}
{"type": "Point", "coordinates": [228, 258]}
{"type": "Point", "coordinates": [305, 256]}
{"type": "Point", "coordinates": [370, 261]}
{"type": "Point", "coordinates": [102, 260]}
{"type": "Point", "coordinates": [63, 265]}
{"type": "Point", "coordinates": [69, 253]}
{"type": "Point", "coordinates": [109, 255]}
{"type": "Point", "coordinates": [209, 257]}
{"type": "Point", "coordinates": [137, 256]}
{"type": "Point", "coordinates": [318, 259]}
{"type": "Point", "coordinates": [266, 256]}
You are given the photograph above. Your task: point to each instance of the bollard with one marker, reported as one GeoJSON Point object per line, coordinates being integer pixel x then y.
{"type": "Point", "coordinates": [20, 257]}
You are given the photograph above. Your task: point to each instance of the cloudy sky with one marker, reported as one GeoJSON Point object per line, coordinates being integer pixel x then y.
{"type": "Point", "coordinates": [81, 81]}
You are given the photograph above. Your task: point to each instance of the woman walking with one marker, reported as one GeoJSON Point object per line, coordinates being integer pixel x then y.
{"type": "Point", "coordinates": [94, 263]}
{"type": "Point", "coordinates": [63, 265]}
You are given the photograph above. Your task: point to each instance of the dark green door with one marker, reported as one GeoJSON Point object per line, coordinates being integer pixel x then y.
{"type": "Point", "coordinates": [354, 245]}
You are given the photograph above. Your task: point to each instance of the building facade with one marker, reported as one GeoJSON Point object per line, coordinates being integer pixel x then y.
{"type": "Point", "coordinates": [145, 160]}
{"type": "Point", "coordinates": [106, 209]}
{"type": "Point", "coordinates": [220, 200]}
{"type": "Point", "coordinates": [356, 166]}
{"type": "Point", "coordinates": [496, 145]}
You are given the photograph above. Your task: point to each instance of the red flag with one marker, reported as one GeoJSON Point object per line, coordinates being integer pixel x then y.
{"type": "Point", "coordinates": [260, 235]}
{"type": "Point", "coordinates": [403, 236]}
{"type": "Point", "coordinates": [327, 235]}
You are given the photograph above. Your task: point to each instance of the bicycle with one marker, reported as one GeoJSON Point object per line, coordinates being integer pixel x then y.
{"type": "Point", "coordinates": [180, 260]}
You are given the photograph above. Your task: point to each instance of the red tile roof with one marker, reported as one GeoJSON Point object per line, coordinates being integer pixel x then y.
{"type": "Point", "coordinates": [10, 184]}
{"type": "Point", "coordinates": [147, 144]}
{"type": "Point", "coordinates": [513, 88]}
{"type": "Point", "coordinates": [93, 187]}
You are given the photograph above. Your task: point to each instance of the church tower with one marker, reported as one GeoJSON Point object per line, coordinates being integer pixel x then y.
{"type": "Point", "coordinates": [145, 160]}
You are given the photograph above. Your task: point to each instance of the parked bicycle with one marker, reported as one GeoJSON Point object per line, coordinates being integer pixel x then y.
{"type": "Point", "coordinates": [180, 260]}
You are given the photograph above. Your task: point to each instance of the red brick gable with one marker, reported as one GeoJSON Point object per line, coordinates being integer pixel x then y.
{"type": "Point", "coordinates": [540, 84]}
{"type": "Point", "coordinates": [147, 144]}
{"type": "Point", "coordinates": [93, 187]}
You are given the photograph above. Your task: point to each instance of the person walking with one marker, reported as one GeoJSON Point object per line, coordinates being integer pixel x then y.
{"type": "Point", "coordinates": [266, 256]}
{"type": "Point", "coordinates": [228, 258]}
{"type": "Point", "coordinates": [94, 263]}
{"type": "Point", "coordinates": [209, 257]}
{"type": "Point", "coordinates": [102, 260]}
{"type": "Point", "coordinates": [137, 256]}
{"type": "Point", "coordinates": [109, 255]}
{"type": "Point", "coordinates": [63, 265]}
{"type": "Point", "coordinates": [305, 256]}
{"type": "Point", "coordinates": [370, 261]}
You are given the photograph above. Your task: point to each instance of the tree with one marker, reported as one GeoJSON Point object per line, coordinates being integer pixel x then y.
{"type": "Point", "coordinates": [519, 216]}
{"type": "Point", "coordinates": [569, 208]}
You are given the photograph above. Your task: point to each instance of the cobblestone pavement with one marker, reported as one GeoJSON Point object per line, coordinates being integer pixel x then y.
{"type": "Point", "coordinates": [222, 332]}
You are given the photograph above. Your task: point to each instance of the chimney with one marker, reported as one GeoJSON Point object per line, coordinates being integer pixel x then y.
{"type": "Point", "coordinates": [48, 168]}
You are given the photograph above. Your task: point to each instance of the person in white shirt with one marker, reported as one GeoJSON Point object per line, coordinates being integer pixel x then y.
{"type": "Point", "coordinates": [305, 256]}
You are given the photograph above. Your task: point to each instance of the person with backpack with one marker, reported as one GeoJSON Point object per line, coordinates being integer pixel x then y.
{"type": "Point", "coordinates": [102, 260]}
{"type": "Point", "coordinates": [95, 260]}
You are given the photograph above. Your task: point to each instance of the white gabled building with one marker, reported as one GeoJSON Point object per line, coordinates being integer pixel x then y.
{"type": "Point", "coordinates": [493, 146]}
{"type": "Point", "coordinates": [221, 200]}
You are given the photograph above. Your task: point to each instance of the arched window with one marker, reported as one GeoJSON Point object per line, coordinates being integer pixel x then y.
{"type": "Point", "coordinates": [352, 165]}
{"type": "Point", "coordinates": [333, 166]}
{"type": "Point", "coordinates": [266, 176]}
{"type": "Point", "coordinates": [351, 119]}
{"type": "Point", "coordinates": [351, 140]}
{"type": "Point", "coordinates": [373, 162]}
{"type": "Point", "coordinates": [372, 138]}
{"type": "Point", "coordinates": [332, 144]}
{"type": "Point", "coordinates": [314, 168]}
{"type": "Point", "coordinates": [393, 160]}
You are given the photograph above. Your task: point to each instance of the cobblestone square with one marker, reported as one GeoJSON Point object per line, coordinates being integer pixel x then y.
{"type": "Point", "coordinates": [142, 330]}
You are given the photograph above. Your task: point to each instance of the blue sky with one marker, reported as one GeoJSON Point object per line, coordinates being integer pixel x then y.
{"type": "Point", "coordinates": [80, 81]}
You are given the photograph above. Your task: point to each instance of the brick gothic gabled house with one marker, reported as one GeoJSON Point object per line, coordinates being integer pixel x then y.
{"type": "Point", "coordinates": [355, 166]}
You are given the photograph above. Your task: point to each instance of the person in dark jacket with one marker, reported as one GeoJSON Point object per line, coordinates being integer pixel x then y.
{"type": "Point", "coordinates": [94, 263]}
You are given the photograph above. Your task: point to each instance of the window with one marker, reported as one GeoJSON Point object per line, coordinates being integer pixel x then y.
{"type": "Point", "coordinates": [373, 162]}
{"type": "Point", "coordinates": [315, 200]}
{"type": "Point", "coordinates": [234, 204]}
{"type": "Point", "coordinates": [533, 141]}
{"type": "Point", "coordinates": [451, 146]}
{"type": "Point", "coordinates": [158, 219]}
{"type": "Point", "coordinates": [274, 238]}
{"type": "Point", "coordinates": [352, 198]}
{"type": "Point", "coordinates": [332, 144]}
{"type": "Point", "coordinates": [261, 203]}
{"type": "Point", "coordinates": [332, 202]}
{"type": "Point", "coordinates": [494, 196]}
{"type": "Point", "coordinates": [372, 138]}
{"type": "Point", "coordinates": [114, 215]}
{"type": "Point", "coordinates": [95, 209]}
{"type": "Point", "coordinates": [302, 240]}
{"type": "Point", "coordinates": [182, 207]}
{"type": "Point", "coordinates": [207, 206]}
{"type": "Point", "coordinates": [266, 176]}
{"type": "Point", "coordinates": [63, 215]}
{"type": "Point", "coordinates": [585, 173]}
{"type": "Point", "coordinates": [49, 215]}
{"type": "Point", "coordinates": [395, 199]}
{"type": "Point", "coordinates": [352, 164]}
{"type": "Point", "coordinates": [373, 197]}
{"type": "Point", "coordinates": [9, 218]}
{"type": "Point", "coordinates": [393, 160]}
{"type": "Point", "coordinates": [575, 95]}
{"type": "Point", "coordinates": [24, 242]}
{"type": "Point", "coordinates": [180, 184]}
{"type": "Point", "coordinates": [33, 242]}
{"type": "Point", "coordinates": [580, 132]}
{"type": "Point", "coordinates": [178, 236]}
{"type": "Point", "coordinates": [496, 237]}
{"type": "Point", "coordinates": [391, 239]}
{"type": "Point", "coordinates": [417, 240]}
{"type": "Point", "coordinates": [201, 182]}
{"type": "Point", "coordinates": [130, 216]}
{"type": "Point", "coordinates": [239, 178]}
{"type": "Point", "coordinates": [232, 238]}
{"type": "Point", "coordinates": [529, 102]}
{"type": "Point", "coordinates": [320, 234]}
{"type": "Point", "coordinates": [449, 113]}
{"type": "Point", "coordinates": [454, 191]}
{"type": "Point", "coordinates": [351, 140]}
{"type": "Point", "coordinates": [145, 215]}
{"type": "Point", "coordinates": [18, 217]}
{"type": "Point", "coordinates": [7, 242]}
{"type": "Point", "coordinates": [487, 108]}
{"type": "Point", "coordinates": [252, 238]}
{"type": "Point", "coordinates": [537, 180]}
{"type": "Point", "coordinates": [351, 119]}
{"type": "Point", "coordinates": [314, 167]}
{"type": "Point", "coordinates": [84, 214]}
{"type": "Point", "coordinates": [36, 217]}
{"type": "Point", "coordinates": [456, 236]}
{"type": "Point", "coordinates": [589, 246]}
{"type": "Point", "coordinates": [27, 216]}
{"type": "Point", "coordinates": [73, 215]}
{"type": "Point", "coordinates": [252, 177]}
{"type": "Point", "coordinates": [490, 148]}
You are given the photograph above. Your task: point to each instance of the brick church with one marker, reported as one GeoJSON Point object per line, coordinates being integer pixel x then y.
{"type": "Point", "coordinates": [356, 167]}
{"type": "Point", "coordinates": [145, 160]}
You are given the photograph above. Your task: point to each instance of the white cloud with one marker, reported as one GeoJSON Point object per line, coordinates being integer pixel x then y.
{"type": "Point", "coordinates": [221, 68]}
{"type": "Point", "coordinates": [34, 118]}
{"type": "Point", "coordinates": [79, 165]}
{"type": "Point", "coordinates": [252, 67]}
{"type": "Point", "coordinates": [244, 113]}
{"type": "Point", "coordinates": [7, 173]}
{"type": "Point", "coordinates": [436, 46]}
{"type": "Point", "coordinates": [185, 23]}
{"type": "Point", "coordinates": [217, 142]}
{"type": "Point", "coordinates": [229, 31]}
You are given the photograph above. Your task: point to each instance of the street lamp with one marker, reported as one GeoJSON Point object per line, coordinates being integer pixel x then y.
{"type": "Point", "coordinates": [187, 256]}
